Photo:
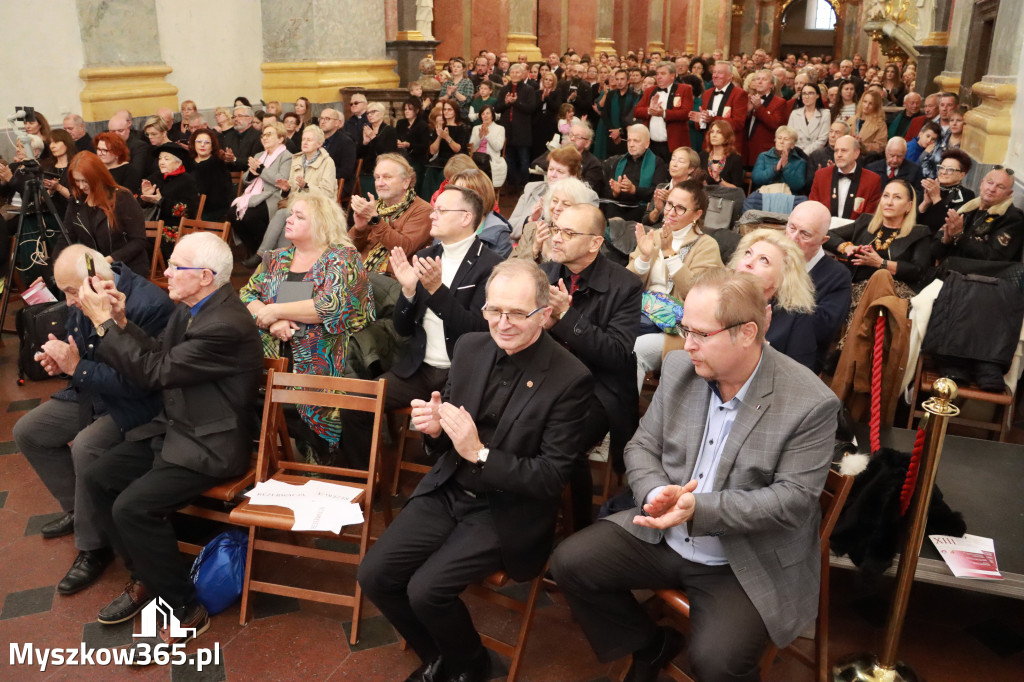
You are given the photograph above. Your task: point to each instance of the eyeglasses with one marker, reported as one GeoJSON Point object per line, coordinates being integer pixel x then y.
{"type": "Point", "coordinates": [700, 337]}
{"type": "Point", "coordinates": [948, 170]}
{"type": "Point", "coordinates": [441, 211]}
{"type": "Point", "coordinates": [569, 234]}
{"type": "Point", "coordinates": [172, 268]}
{"type": "Point", "coordinates": [102, 150]}
{"type": "Point", "coordinates": [676, 208]}
{"type": "Point", "coordinates": [514, 316]}
{"type": "Point", "coordinates": [1005, 169]}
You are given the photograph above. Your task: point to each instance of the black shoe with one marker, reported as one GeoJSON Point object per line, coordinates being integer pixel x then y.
{"type": "Point", "coordinates": [65, 525]}
{"type": "Point", "coordinates": [649, 661]}
{"type": "Point", "coordinates": [428, 672]}
{"type": "Point", "coordinates": [126, 605]}
{"type": "Point", "coordinates": [477, 670]}
{"type": "Point", "coordinates": [87, 568]}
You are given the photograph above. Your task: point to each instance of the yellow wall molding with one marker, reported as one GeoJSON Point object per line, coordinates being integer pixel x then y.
{"type": "Point", "coordinates": [987, 127]}
{"type": "Point", "coordinates": [320, 81]}
{"type": "Point", "coordinates": [936, 38]}
{"type": "Point", "coordinates": [409, 35]}
{"type": "Point", "coordinates": [523, 43]}
{"type": "Point", "coordinates": [604, 45]}
{"type": "Point", "coordinates": [656, 45]}
{"type": "Point", "coordinates": [948, 84]}
{"type": "Point", "coordinates": [140, 89]}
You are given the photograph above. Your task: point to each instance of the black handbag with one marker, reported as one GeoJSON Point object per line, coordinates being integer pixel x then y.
{"type": "Point", "coordinates": [34, 324]}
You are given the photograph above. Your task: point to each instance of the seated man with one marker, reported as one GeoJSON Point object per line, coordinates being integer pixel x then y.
{"type": "Point", "coordinates": [506, 434]}
{"type": "Point", "coordinates": [825, 156]}
{"type": "Point", "coordinates": [896, 165]}
{"type": "Point", "coordinates": [242, 141]}
{"type": "Point", "coordinates": [988, 227]}
{"type": "Point", "coordinates": [595, 306]}
{"type": "Point", "coordinates": [208, 363]}
{"type": "Point", "coordinates": [397, 218]}
{"type": "Point", "coordinates": [808, 228]}
{"type": "Point", "coordinates": [74, 125]}
{"type": "Point", "coordinates": [563, 162]}
{"type": "Point", "coordinates": [93, 412]}
{"type": "Point", "coordinates": [633, 176]}
{"type": "Point", "coordinates": [342, 149]}
{"type": "Point", "coordinates": [592, 170]}
{"type": "Point", "coordinates": [911, 111]}
{"type": "Point", "coordinates": [847, 188]}
{"type": "Point", "coordinates": [729, 462]}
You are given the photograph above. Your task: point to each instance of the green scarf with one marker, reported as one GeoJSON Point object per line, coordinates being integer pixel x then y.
{"type": "Point", "coordinates": [646, 170]}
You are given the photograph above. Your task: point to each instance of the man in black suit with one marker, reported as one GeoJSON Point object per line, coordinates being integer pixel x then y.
{"type": "Point", "coordinates": [341, 147]}
{"type": "Point", "coordinates": [74, 125]}
{"type": "Point", "coordinates": [506, 433]}
{"type": "Point", "coordinates": [516, 104]}
{"type": "Point", "coordinates": [808, 228]}
{"type": "Point", "coordinates": [577, 92]}
{"type": "Point", "coordinates": [594, 309]}
{"type": "Point", "coordinates": [142, 159]}
{"type": "Point", "coordinates": [208, 363]}
{"type": "Point", "coordinates": [895, 165]}
{"type": "Point", "coordinates": [582, 136]}
{"type": "Point", "coordinates": [242, 141]}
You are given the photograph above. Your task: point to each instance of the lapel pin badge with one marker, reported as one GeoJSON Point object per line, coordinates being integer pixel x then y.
{"type": "Point", "coordinates": [529, 384]}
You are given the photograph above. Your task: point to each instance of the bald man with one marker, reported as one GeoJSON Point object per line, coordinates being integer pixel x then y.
{"type": "Point", "coordinates": [808, 228]}
{"type": "Point", "coordinates": [847, 188]}
{"type": "Point", "coordinates": [142, 158]}
{"type": "Point", "coordinates": [896, 165]}
{"type": "Point", "coordinates": [633, 176]}
{"type": "Point", "coordinates": [988, 227]}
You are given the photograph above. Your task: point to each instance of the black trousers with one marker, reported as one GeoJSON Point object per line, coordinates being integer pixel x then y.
{"type": "Point", "coordinates": [441, 543]}
{"type": "Point", "coordinates": [252, 225]}
{"type": "Point", "coordinates": [597, 568]}
{"type": "Point", "coordinates": [134, 491]}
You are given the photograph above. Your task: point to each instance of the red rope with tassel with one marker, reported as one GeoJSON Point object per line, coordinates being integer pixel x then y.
{"type": "Point", "coordinates": [876, 383]}
{"type": "Point", "coordinates": [910, 482]}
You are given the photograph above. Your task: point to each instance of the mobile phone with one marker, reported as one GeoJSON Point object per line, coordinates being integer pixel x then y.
{"type": "Point", "coordinates": [90, 267]}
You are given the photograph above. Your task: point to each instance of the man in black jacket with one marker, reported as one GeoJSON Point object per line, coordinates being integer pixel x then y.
{"type": "Point", "coordinates": [506, 434]}
{"type": "Point", "coordinates": [208, 364]}
{"type": "Point", "coordinates": [582, 136]}
{"type": "Point", "coordinates": [577, 92]}
{"type": "Point", "coordinates": [80, 423]}
{"type": "Point", "coordinates": [594, 311]}
{"type": "Point", "coordinates": [341, 147]}
{"type": "Point", "coordinates": [988, 227]}
{"type": "Point", "coordinates": [142, 159]}
{"type": "Point", "coordinates": [242, 141]}
{"type": "Point", "coordinates": [516, 104]}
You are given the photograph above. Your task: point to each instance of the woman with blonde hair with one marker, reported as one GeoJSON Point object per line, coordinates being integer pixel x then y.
{"type": "Point", "coordinates": [329, 299]}
{"type": "Point", "coordinates": [870, 125]}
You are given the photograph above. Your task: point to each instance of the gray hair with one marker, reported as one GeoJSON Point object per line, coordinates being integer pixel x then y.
{"type": "Point", "coordinates": [317, 133]}
{"type": "Point", "coordinates": [211, 252]}
{"type": "Point", "coordinates": [73, 257]}
{"type": "Point", "coordinates": [523, 267]}
{"type": "Point", "coordinates": [573, 189]}
{"type": "Point", "coordinates": [76, 119]}
{"type": "Point", "coordinates": [245, 110]}
{"type": "Point", "coordinates": [671, 66]}
{"type": "Point", "coordinates": [896, 142]}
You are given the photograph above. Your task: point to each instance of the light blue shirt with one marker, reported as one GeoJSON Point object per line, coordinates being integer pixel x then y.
{"type": "Point", "coordinates": [708, 550]}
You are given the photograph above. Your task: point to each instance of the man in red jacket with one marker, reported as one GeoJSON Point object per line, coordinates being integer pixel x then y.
{"type": "Point", "coordinates": [847, 188]}
{"type": "Point", "coordinates": [763, 117]}
{"type": "Point", "coordinates": [727, 101]}
{"type": "Point", "coordinates": [665, 109]}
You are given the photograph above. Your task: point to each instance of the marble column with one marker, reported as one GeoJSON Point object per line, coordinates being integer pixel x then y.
{"type": "Point", "coordinates": [522, 36]}
{"type": "Point", "coordinates": [605, 23]}
{"type": "Point", "coordinates": [655, 26]}
{"type": "Point", "coordinates": [957, 40]}
{"type": "Point", "coordinates": [313, 48]}
{"type": "Point", "coordinates": [123, 65]}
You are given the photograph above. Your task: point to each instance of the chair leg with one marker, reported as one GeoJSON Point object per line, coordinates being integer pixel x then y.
{"type": "Point", "coordinates": [524, 627]}
{"type": "Point", "coordinates": [403, 428]}
{"type": "Point", "coordinates": [243, 616]}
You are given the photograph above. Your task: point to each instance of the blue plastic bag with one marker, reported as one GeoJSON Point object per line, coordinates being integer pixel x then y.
{"type": "Point", "coordinates": [219, 571]}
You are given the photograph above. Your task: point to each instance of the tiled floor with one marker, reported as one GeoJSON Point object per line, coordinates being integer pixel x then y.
{"type": "Point", "coordinates": [950, 635]}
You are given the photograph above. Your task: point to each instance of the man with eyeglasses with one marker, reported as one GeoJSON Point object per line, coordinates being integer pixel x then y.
{"type": "Point", "coordinates": [208, 363]}
{"type": "Point", "coordinates": [594, 309]}
{"type": "Point", "coordinates": [140, 151]}
{"type": "Point", "coordinates": [357, 120]}
{"type": "Point", "coordinates": [505, 432]}
{"type": "Point", "coordinates": [728, 464]}
{"type": "Point", "coordinates": [341, 147]}
{"type": "Point", "coordinates": [988, 227]}
{"type": "Point", "coordinates": [581, 136]}
{"type": "Point", "coordinates": [242, 141]}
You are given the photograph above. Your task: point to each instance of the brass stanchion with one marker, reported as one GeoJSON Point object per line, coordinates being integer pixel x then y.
{"type": "Point", "coordinates": [867, 667]}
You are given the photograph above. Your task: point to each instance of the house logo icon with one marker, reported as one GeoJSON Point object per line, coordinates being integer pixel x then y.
{"type": "Point", "coordinates": [156, 615]}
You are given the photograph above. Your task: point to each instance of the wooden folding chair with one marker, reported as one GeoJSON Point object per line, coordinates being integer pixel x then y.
{"type": "Point", "coordinates": [202, 205]}
{"type": "Point", "coordinates": [155, 231]}
{"type": "Point", "coordinates": [402, 433]}
{"type": "Point", "coordinates": [1003, 401]}
{"type": "Point", "coordinates": [357, 188]}
{"type": "Point", "coordinates": [236, 180]}
{"type": "Point", "coordinates": [228, 492]}
{"type": "Point", "coordinates": [333, 392]}
{"type": "Point", "coordinates": [488, 591]}
{"type": "Point", "coordinates": [189, 225]}
{"type": "Point", "coordinates": [833, 497]}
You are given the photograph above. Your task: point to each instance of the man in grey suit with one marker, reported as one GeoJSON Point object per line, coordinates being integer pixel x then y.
{"type": "Point", "coordinates": [729, 462]}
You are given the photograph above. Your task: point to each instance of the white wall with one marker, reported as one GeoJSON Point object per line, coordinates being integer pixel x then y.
{"type": "Point", "coordinates": [41, 53]}
{"type": "Point", "coordinates": [1015, 149]}
{"type": "Point", "coordinates": [215, 49]}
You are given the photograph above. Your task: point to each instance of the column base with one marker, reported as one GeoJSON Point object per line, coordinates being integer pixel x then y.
{"type": "Point", "coordinates": [523, 43]}
{"type": "Point", "coordinates": [407, 54]}
{"type": "Point", "coordinates": [987, 127]}
{"type": "Point", "coordinates": [656, 46]}
{"type": "Point", "coordinates": [604, 45]}
{"type": "Point", "coordinates": [141, 88]}
{"type": "Point", "coordinates": [320, 81]}
{"type": "Point", "coordinates": [948, 82]}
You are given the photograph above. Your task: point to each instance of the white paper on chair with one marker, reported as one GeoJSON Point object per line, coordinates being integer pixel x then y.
{"type": "Point", "coordinates": [317, 505]}
{"type": "Point", "coordinates": [971, 556]}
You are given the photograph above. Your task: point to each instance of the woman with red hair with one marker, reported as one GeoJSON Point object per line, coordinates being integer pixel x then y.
{"type": "Point", "coordinates": [104, 216]}
{"type": "Point", "coordinates": [114, 154]}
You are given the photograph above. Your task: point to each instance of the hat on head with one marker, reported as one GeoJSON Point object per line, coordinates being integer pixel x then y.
{"type": "Point", "coordinates": [177, 150]}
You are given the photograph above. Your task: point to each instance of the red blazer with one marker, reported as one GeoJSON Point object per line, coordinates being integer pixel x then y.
{"type": "Point", "coordinates": [915, 127]}
{"type": "Point", "coordinates": [768, 117]}
{"type": "Point", "coordinates": [869, 192]}
{"type": "Point", "coordinates": [677, 113]}
{"type": "Point", "coordinates": [736, 98]}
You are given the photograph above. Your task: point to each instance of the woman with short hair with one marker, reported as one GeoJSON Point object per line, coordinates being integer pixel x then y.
{"type": "Point", "coordinates": [212, 175]}
{"type": "Point", "coordinates": [683, 165]}
{"type": "Point", "coordinates": [535, 242]}
{"type": "Point", "coordinates": [258, 202]}
{"type": "Point", "coordinates": [155, 131]}
{"type": "Point", "coordinates": [173, 191]}
{"type": "Point", "coordinates": [115, 155]}
{"type": "Point", "coordinates": [784, 162]}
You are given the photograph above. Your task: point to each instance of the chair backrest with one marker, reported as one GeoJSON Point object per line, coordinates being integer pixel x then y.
{"type": "Point", "coordinates": [155, 231]}
{"type": "Point", "coordinates": [341, 189]}
{"type": "Point", "coordinates": [833, 497]}
{"type": "Point", "coordinates": [189, 225]}
{"type": "Point", "coordinates": [358, 188]}
{"type": "Point", "coordinates": [202, 205]}
{"type": "Point", "coordinates": [236, 180]}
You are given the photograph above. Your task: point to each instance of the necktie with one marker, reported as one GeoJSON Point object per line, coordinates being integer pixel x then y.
{"type": "Point", "coordinates": [574, 284]}
{"type": "Point", "coordinates": [892, 172]}
{"type": "Point", "coordinates": [511, 109]}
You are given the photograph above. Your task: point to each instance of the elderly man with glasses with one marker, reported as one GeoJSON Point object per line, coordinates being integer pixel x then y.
{"type": "Point", "coordinates": [242, 141]}
{"type": "Point", "coordinates": [581, 135]}
{"type": "Point", "coordinates": [988, 227]}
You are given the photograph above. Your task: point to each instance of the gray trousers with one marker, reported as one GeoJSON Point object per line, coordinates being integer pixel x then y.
{"type": "Point", "coordinates": [43, 436]}
{"type": "Point", "coordinates": [274, 237]}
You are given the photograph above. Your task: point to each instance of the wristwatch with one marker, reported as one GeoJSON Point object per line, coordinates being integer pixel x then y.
{"type": "Point", "coordinates": [105, 327]}
{"type": "Point", "coordinates": [375, 220]}
{"type": "Point", "coordinates": [481, 456]}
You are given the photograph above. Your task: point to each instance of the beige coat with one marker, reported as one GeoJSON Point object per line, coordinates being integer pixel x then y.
{"type": "Point", "coordinates": [704, 254]}
{"type": "Point", "coordinates": [873, 135]}
{"type": "Point", "coordinates": [319, 175]}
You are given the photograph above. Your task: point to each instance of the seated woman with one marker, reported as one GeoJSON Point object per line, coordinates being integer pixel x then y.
{"type": "Point", "coordinates": [455, 165]}
{"type": "Point", "coordinates": [114, 154]}
{"type": "Point", "coordinates": [890, 239]}
{"type": "Point", "coordinates": [413, 135]}
{"type": "Point", "coordinates": [810, 121]}
{"type": "Point", "coordinates": [564, 162]}
{"type": "Point", "coordinates": [568, 191]}
{"type": "Point", "coordinates": [719, 160]}
{"type": "Point", "coordinates": [379, 137]}
{"type": "Point", "coordinates": [450, 137]}
{"type": "Point", "coordinates": [212, 175]}
{"type": "Point", "coordinates": [486, 143]}
{"type": "Point", "coordinates": [682, 166]}
{"type": "Point", "coordinates": [258, 203]}
{"type": "Point", "coordinates": [494, 231]}
{"type": "Point", "coordinates": [312, 170]}
{"type": "Point", "coordinates": [315, 326]}
{"type": "Point", "coordinates": [667, 259]}
{"type": "Point", "coordinates": [62, 152]}
{"type": "Point", "coordinates": [103, 216]}
{"type": "Point", "coordinates": [946, 193]}
{"type": "Point", "coordinates": [784, 162]}
{"type": "Point", "coordinates": [870, 125]}
{"type": "Point", "coordinates": [844, 104]}
{"type": "Point", "coordinates": [293, 133]}
{"type": "Point", "coordinates": [173, 191]}
{"type": "Point", "coordinates": [224, 122]}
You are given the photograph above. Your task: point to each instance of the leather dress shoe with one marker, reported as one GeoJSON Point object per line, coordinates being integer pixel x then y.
{"type": "Point", "coordinates": [428, 672]}
{"type": "Point", "coordinates": [65, 525]}
{"type": "Point", "coordinates": [88, 566]}
{"type": "Point", "coordinates": [649, 661]}
{"type": "Point", "coordinates": [477, 670]}
{"type": "Point", "coordinates": [193, 619]}
{"type": "Point", "coordinates": [126, 605]}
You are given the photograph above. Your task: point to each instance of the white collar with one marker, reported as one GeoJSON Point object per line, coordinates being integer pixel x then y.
{"type": "Point", "coordinates": [814, 261]}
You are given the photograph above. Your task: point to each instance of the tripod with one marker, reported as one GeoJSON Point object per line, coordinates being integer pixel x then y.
{"type": "Point", "coordinates": [33, 197]}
